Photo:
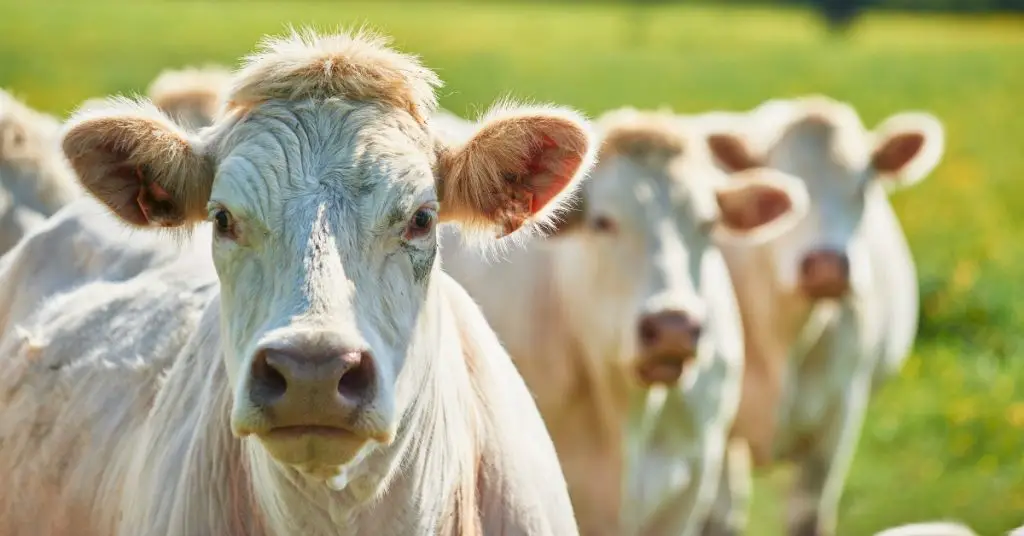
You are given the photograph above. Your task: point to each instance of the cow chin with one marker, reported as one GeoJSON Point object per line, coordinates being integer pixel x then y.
{"type": "Point", "coordinates": [319, 454]}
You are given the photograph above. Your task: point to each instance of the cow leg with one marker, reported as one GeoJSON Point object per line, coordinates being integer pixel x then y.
{"type": "Point", "coordinates": [729, 514]}
{"type": "Point", "coordinates": [814, 507]}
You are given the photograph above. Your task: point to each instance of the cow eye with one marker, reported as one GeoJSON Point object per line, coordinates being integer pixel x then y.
{"type": "Point", "coordinates": [421, 224]}
{"type": "Point", "coordinates": [223, 220]}
{"type": "Point", "coordinates": [603, 224]}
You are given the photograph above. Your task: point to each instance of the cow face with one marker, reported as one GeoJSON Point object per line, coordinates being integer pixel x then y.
{"type": "Point", "coordinates": [323, 209]}
{"type": "Point", "coordinates": [642, 235]}
{"type": "Point", "coordinates": [843, 169]}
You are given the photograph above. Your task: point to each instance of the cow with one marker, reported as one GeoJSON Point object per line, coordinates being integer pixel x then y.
{"type": "Point", "coordinates": [830, 307]}
{"type": "Point", "coordinates": [300, 364]}
{"type": "Point", "coordinates": [624, 325]}
{"type": "Point", "coordinates": [929, 528]}
{"type": "Point", "coordinates": [190, 95]}
{"type": "Point", "coordinates": [35, 179]}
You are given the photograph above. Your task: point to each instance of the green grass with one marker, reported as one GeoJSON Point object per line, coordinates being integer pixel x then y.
{"type": "Point", "coordinates": [947, 438]}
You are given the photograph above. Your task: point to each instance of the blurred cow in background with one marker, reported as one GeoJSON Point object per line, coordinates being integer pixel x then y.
{"type": "Point", "coordinates": [35, 179]}
{"type": "Point", "coordinates": [192, 95]}
{"type": "Point", "coordinates": [625, 326]}
{"type": "Point", "coordinates": [830, 307]}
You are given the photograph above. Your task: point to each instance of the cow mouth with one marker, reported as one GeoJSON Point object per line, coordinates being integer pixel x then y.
{"type": "Point", "coordinates": [286, 432]}
{"type": "Point", "coordinates": [319, 451]}
{"type": "Point", "coordinates": [662, 370]}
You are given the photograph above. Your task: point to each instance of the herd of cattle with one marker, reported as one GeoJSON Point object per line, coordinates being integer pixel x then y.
{"type": "Point", "coordinates": [709, 294]}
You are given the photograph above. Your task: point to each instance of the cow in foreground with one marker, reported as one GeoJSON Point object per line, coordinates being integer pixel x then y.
{"type": "Point", "coordinates": [624, 323]}
{"type": "Point", "coordinates": [35, 179]}
{"type": "Point", "coordinates": [830, 307]}
{"type": "Point", "coordinates": [317, 374]}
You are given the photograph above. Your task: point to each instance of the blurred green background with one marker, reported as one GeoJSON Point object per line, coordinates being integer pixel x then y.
{"type": "Point", "coordinates": [944, 441]}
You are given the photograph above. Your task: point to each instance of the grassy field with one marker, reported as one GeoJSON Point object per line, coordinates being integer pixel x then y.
{"type": "Point", "coordinates": [947, 438]}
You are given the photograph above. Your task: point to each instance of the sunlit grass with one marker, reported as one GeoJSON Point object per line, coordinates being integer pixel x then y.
{"type": "Point", "coordinates": [945, 440]}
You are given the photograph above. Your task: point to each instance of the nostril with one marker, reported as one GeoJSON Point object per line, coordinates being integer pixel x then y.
{"type": "Point", "coordinates": [648, 331]}
{"type": "Point", "coordinates": [807, 265]}
{"type": "Point", "coordinates": [844, 264]}
{"type": "Point", "coordinates": [268, 384]}
{"type": "Point", "coordinates": [695, 332]}
{"type": "Point", "coordinates": [358, 379]}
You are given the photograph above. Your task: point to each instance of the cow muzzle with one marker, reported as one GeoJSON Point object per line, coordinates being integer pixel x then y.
{"type": "Point", "coordinates": [668, 343]}
{"type": "Point", "coordinates": [825, 274]}
{"type": "Point", "coordinates": [312, 408]}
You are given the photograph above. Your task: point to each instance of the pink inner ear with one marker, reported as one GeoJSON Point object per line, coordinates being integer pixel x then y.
{"type": "Point", "coordinates": [897, 152]}
{"type": "Point", "coordinates": [548, 189]}
{"type": "Point", "coordinates": [154, 202]}
{"type": "Point", "coordinates": [771, 204]}
{"type": "Point", "coordinates": [755, 208]}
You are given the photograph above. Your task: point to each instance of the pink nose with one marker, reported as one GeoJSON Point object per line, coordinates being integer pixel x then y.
{"type": "Point", "coordinates": [825, 274]}
{"type": "Point", "coordinates": [294, 388]}
{"type": "Point", "coordinates": [668, 341]}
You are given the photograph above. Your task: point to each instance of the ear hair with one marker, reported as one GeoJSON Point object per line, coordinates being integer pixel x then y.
{"type": "Point", "coordinates": [518, 168]}
{"type": "Point", "coordinates": [907, 147]}
{"type": "Point", "coordinates": [134, 159]}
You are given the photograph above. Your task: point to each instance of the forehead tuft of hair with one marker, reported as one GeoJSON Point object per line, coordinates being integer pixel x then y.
{"type": "Point", "coordinates": [640, 135]}
{"type": "Point", "coordinates": [357, 66]}
{"type": "Point", "coordinates": [201, 87]}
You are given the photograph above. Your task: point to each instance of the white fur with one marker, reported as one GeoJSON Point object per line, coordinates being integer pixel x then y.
{"type": "Point", "coordinates": [812, 366]}
{"type": "Point", "coordinates": [126, 407]}
{"type": "Point", "coordinates": [567, 308]}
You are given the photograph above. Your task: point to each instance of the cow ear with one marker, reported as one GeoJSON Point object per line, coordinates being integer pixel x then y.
{"type": "Point", "coordinates": [137, 162]}
{"type": "Point", "coordinates": [759, 204]}
{"type": "Point", "coordinates": [907, 147]}
{"type": "Point", "coordinates": [732, 152]}
{"type": "Point", "coordinates": [570, 216]}
{"type": "Point", "coordinates": [520, 166]}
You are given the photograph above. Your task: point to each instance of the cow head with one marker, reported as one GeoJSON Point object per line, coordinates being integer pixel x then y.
{"type": "Point", "coordinates": [640, 238]}
{"type": "Point", "coordinates": [323, 186]}
{"type": "Point", "coordinates": [842, 166]}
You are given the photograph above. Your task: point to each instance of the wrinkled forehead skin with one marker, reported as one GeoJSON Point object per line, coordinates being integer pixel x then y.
{"type": "Point", "coordinates": [368, 165]}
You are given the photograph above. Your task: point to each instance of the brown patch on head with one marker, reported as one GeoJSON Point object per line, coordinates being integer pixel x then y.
{"type": "Point", "coordinates": [190, 92]}
{"type": "Point", "coordinates": [358, 66]}
{"type": "Point", "coordinates": [640, 135]}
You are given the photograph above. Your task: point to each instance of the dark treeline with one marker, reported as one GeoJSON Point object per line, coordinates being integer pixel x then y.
{"type": "Point", "coordinates": [950, 6]}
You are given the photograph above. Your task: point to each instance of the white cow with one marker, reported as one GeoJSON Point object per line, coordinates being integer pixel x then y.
{"type": "Point", "coordinates": [317, 374]}
{"type": "Point", "coordinates": [830, 307]}
{"type": "Point", "coordinates": [35, 179]}
{"type": "Point", "coordinates": [930, 528]}
{"type": "Point", "coordinates": [191, 95]}
{"type": "Point", "coordinates": [632, 287]}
